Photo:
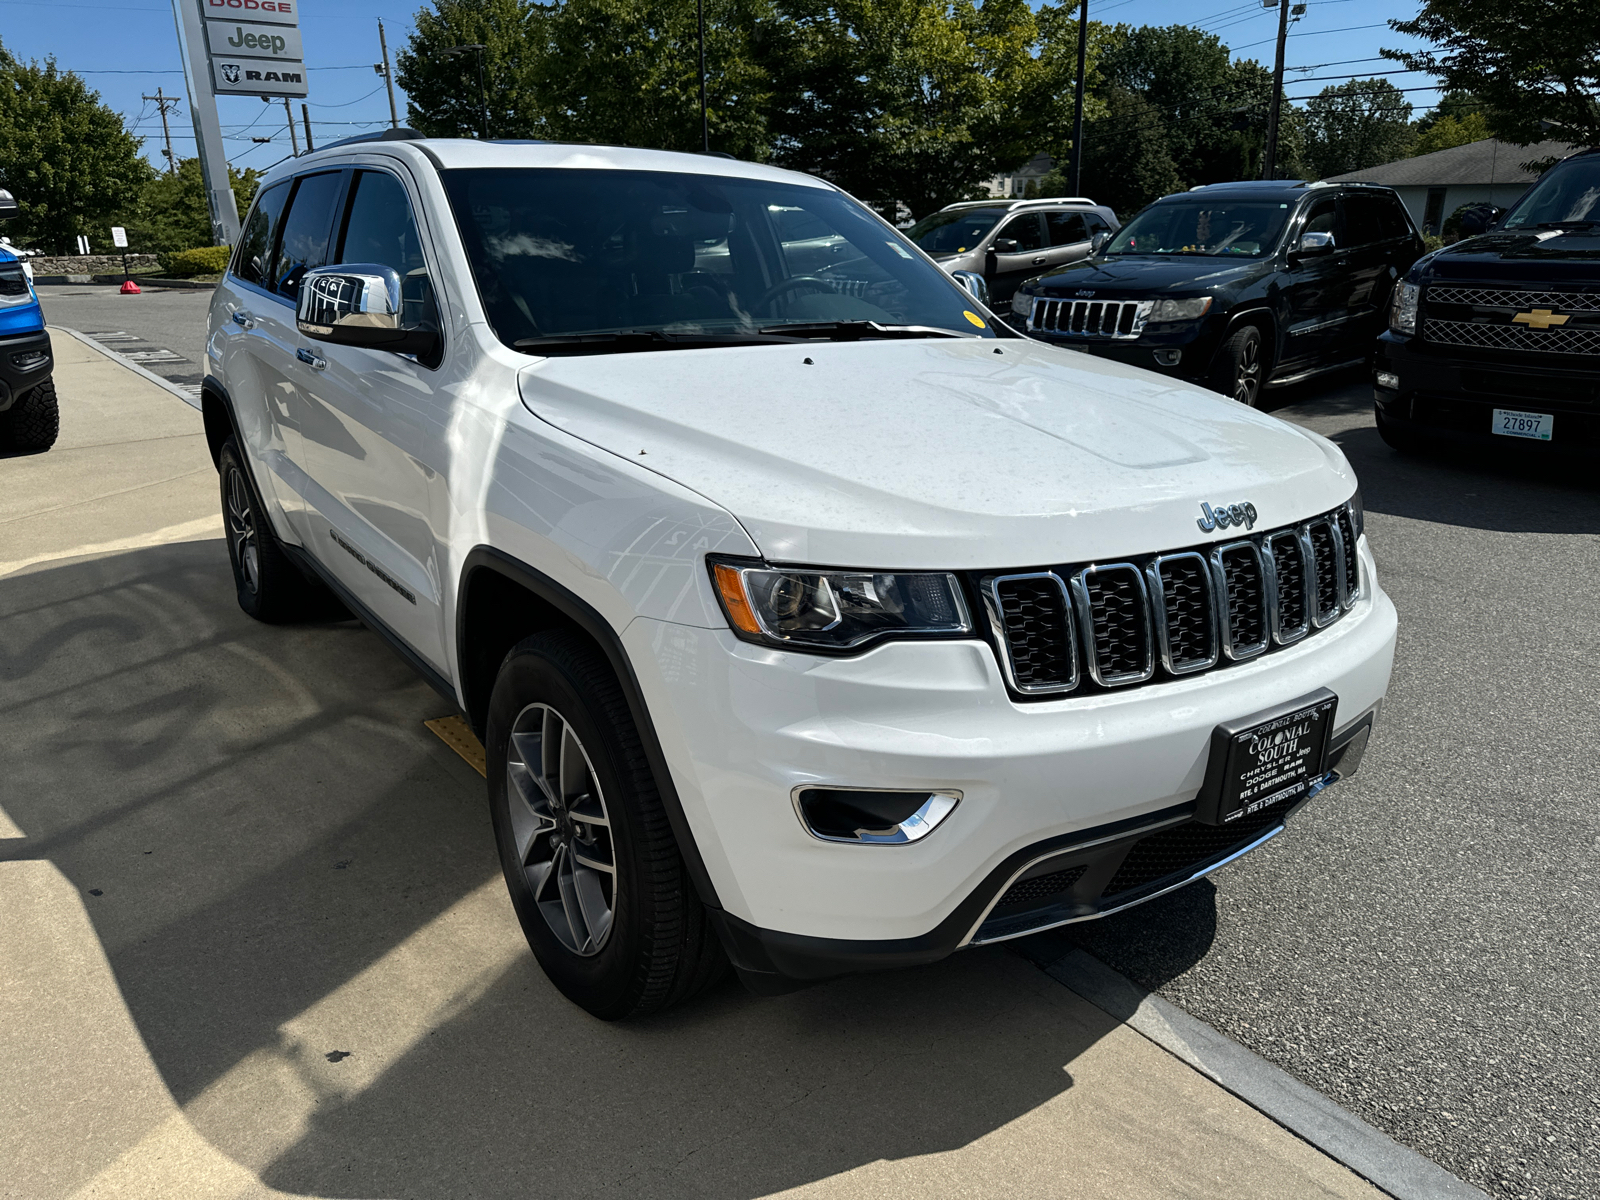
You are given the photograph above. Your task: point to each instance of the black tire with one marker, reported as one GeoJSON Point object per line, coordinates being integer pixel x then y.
{"type": "Point", "coordinates": [1240, 366]}
{"type": "Point", "coordinates": [270, 587]}
{"type": "Point", "coordinates": [658, 947]}
{"type": "Point", "coordinates": [33, 421]}
{"type": "Point", "coordinates": [1403, 440]}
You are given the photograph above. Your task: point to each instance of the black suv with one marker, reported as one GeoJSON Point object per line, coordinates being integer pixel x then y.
{"type": "Point", "coordinates": [1238, 286]}
{"type": "Point", "coordinates": [1496, 339]}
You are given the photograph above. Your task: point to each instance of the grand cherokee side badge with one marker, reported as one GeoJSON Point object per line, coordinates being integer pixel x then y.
{"type": "Point", "coordinates": [1225, 515]}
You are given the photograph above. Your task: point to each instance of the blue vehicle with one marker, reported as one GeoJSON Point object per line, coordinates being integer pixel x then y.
{"type": "Point", "coordinates": [29, 418]}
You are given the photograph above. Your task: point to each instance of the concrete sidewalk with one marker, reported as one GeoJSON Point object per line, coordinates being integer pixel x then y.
{"type": "Point", "coordinates": [255, 942]}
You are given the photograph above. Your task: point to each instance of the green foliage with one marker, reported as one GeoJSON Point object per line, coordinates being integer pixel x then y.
{"type": "Point", "coordinates": [65, 156]}
{"type": "Point", "coordinates": [1355, 125]}
{"type": "Point", "coordinates": [1531, 63]}
{"type": "Point", "coordinates": [443, 99]}
{"type": "Point", "coordinates": [171, 212]}
{"type": "Point", "coordinates": [1448, 131]}
{"type": "Point", "coordinates": [1127, 155]}
{"type": "Point", "coordinates": [202, 260]}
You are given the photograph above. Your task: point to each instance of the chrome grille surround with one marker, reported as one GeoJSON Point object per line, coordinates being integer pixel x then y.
{"type": "Point", "coordinates": [1123, 320]}
{"type": "Point", "coordinates": [1245, 602]}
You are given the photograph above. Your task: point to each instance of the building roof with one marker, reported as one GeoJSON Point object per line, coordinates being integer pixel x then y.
{"type": "Point", "coordinates": [1482, 162]}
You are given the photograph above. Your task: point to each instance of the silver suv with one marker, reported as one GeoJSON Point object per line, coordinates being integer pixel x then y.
{"type": "Point", "coordinates": [1007, 241]}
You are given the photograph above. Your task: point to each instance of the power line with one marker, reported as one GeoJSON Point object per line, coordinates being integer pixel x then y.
{"type": "Point", "coordinates": [1317, 32]}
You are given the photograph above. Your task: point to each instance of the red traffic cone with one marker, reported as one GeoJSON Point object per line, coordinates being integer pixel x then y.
{"type": "Point", "coordinates": [130, 288]}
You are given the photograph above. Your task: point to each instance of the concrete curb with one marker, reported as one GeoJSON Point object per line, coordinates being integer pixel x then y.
{"type": "Point", "coordinates": [1305, 1112]}
{"type": "Point", "coordinates": [164, 384]}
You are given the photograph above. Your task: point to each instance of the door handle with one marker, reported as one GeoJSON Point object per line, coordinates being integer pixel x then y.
{"type": "Point", "coordinates": [244, 320]}
{"type": "Point", "coordinates": [312, 359]}
{"type": "Point", "coordinates": [1040, 261]}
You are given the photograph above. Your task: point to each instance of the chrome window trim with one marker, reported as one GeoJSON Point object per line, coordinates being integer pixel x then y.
{"type": "Point", "coordinates": [1320, 618]}
{"type": "Point", "coordinates": [1281, 634]}
{"type": "Point", "coordinates": [1220, 578]}
{"type": "Point", "coordinates": [1080, 593]}
{"type": "Point", "coordinates": [1158, 611]}
{"type": "Point", "coordinates": [990, 589]}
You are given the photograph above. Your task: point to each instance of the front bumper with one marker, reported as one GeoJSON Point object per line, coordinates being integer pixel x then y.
{"type": "Point", "coordinates": [743, 726]}
{"type": "Point", "coordinates": [21, 368]}
{"type": "Point", "coordinates": [1451, 395]}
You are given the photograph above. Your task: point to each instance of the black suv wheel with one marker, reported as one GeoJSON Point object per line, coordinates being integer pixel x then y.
{"type": "Point", "coordinates": [1239, 366]}
{"type": "Point", "coordinates": [589, 858]}
{"type": "Point", "coordinates": [270, 587]}
{"type": "Point", "coordinates": [33, 421]}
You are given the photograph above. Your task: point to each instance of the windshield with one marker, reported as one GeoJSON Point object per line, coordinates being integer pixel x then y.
{"type": "Point", "coordinates": [1234, 229]}
{"type": "Point", "coordinates": [954, 232]}
{"type": "Point", "coordinates": [559, 253]}
{"type": "Point", "coordinates": [1568, 194]}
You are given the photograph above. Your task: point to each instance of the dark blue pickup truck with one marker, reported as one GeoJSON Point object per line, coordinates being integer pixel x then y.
{"type": "Point", "coordinates": [28, 416]}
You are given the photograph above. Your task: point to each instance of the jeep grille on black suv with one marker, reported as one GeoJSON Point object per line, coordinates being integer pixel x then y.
{"type": "Point", "coordinates": [1173, 614]}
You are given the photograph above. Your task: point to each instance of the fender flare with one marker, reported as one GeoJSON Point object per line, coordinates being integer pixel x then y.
{"type": "Point", "coordinates": [587, 618]}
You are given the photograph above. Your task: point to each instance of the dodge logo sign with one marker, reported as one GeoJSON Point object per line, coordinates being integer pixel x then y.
{"type": "Point", "coordinates": [230, 72]}
{"type": "Point", "coordinates": [1224, 515]}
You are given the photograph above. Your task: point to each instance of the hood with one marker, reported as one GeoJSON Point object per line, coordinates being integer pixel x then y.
{"type": "Point", "coordinates": [940, 454]}
{"type": "Point", "coordinates": [1553, 254]}
{"type": "Point", "coordinates": [1125, 275]}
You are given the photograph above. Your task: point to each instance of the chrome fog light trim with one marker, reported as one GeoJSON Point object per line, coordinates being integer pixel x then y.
{"type": "Point", "coordinates": [861, 816]}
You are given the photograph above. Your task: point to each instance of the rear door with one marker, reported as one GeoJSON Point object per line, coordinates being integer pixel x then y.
{"type": "Point", "coordinates": [1026, 260]}
{"type": "Point", "coordinates": [1068, 234]}
{"type": "Point", "coordinates": [1319, 289]}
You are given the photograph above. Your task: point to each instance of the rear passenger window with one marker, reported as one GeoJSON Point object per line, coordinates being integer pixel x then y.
{"type": "Point", "coordinates": [253, 263]}
{"type": "Point", "coordinates": [306, 230]}
{"type": "Point", "coordinates": [1362, 220]}
{"type": "Point", "coordinates": [1066, 228]}
{"type": "Point", "coordinates": [1392, 218]}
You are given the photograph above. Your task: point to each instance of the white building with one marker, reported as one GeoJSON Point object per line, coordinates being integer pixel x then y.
{"type": "Point", "coordinates": [1014, 184]}
{"type": "Point", "coordinates": [1432, 186]}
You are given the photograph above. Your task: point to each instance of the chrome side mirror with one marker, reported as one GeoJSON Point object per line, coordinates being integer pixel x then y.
{"type": "Point", "coordinates": [1312, 244]}
{"type": "Point", "coordinates": [1098, 241]}
{"type": "Point", "coordinates": [358, 304]}
{"type": "Point", "coordinates": [976, 285]}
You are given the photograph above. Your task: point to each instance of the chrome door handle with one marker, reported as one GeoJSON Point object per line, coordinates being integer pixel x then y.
{"type": "Point", "coordinates": [244, 320]}
{"type": "Point", "coordinates": [312, 359]}
{"type": "Point", "coordinates": [1039, 262]}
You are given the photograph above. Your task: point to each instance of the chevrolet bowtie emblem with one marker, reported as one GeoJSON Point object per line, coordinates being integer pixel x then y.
{"type": "Point", "coordinates": [1540, 318]}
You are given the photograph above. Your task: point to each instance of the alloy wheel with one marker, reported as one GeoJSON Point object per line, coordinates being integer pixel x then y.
{"type": "Point", "coordinates": [561, 829]}
{"type": "Point", "coordinates": [1247, 376]}
{"type": "Point", "coordinates": [242, 537]}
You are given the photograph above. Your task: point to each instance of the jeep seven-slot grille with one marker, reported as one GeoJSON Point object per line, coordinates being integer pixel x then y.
{"type": "Point", "coordinates": [1125, 623]}
{"type": "Point", "coordinates": [1124, 319]}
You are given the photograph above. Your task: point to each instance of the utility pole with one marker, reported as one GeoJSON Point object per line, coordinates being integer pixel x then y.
{"type": "Point", "coordinates": [384, 69]}
{"type": "Point", "coordinates": [220, 202]}
{"type": "Point", "coordinates": [1269, 160]}
{"type": "Point", "coordinates": [1075, 170]}
{"type": "Point", "coordinates": [162, 100]}
{"type": "Point", "coordinates": [705, 127]}
{"type": "Point", "coordinates": [294, 142]}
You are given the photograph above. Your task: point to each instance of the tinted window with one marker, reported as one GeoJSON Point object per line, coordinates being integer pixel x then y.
{"type": "Point", "coordinates": [1361, 221]}
{"type": "Point", "coordinates": [305, 231]}
{"type": "Point", "coordinates": [1027, 230]}
{"type": "Point", "coordinates": [572, 251]}
{"type": "Point", "coordinates": [1228, 228]}
{"type": "Point", "coordinates": [1323, 217]}
{"type": "Point", "coordinates": [253, 263]}
{"type": "Point", "coordinates": [1066, 228]}
{"type": "Point", "coordinates": [1392, 218]}
{"type": "Point", "coordinates": [380, 228]}
{"type": "Point", "coordinates": [954, 232]}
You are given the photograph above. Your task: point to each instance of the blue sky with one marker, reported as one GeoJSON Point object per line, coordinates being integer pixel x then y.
{"type": "Point", "coordinates": [126, 48]}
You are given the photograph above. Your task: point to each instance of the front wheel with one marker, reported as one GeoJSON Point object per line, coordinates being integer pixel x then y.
{"type": "Point", "coordinates": [33, 421]}
{"type": "Point", "coordinates": [1239, 366]}
{"type": "Point", "coordinates": [590, 861]}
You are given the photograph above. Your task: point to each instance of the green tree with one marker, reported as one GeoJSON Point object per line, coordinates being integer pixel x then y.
{"type": "Point", "coordinates": [1450, 131]}
{"type": "Point", "coordinates": [66, 157]}
{"type": "Point", "coordinates": [1355, 125]}
{"type": "Point", "coordinates": [442, 96]}
{"type": "Point", "coordinates": [1127, 160]}
{"type": "Point", "coordinates": [918, 101]}
{"type": "Point", "coordinates": [1532, 63]}
{"type": "Point", "coordinates": [171, 212]}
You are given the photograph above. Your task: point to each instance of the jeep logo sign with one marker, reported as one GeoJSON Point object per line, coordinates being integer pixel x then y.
{"type": "Point", "coordinates": [234, 39]}
{"type": "Point", "coordinates": [255, 47]}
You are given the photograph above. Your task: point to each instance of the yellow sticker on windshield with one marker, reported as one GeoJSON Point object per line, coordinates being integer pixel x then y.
{"type": "Point", "coordinates": [974, 318]}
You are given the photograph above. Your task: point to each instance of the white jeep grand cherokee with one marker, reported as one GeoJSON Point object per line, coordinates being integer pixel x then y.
{"type": "Point", "coordinates": [811, 619]}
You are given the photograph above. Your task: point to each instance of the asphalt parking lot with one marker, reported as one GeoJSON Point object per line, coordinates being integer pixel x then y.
{"type": "Point", "coordinates": [1420, 946]}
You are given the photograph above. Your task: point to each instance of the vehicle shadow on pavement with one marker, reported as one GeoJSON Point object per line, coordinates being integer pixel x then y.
{"type": "Point", "coordinates": [295, 889]}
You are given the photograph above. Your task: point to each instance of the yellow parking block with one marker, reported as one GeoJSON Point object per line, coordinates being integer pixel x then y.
{"type": "Point", "coordinates": [457, 734]}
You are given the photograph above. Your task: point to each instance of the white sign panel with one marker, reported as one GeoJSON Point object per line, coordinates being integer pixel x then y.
{"type": "Point", "coordinates": [239, 39]}
{"type": "Point", "coordinates": [119, 237]}
{"type": "Point", "coordinates": [257, 77]}
{"type": "Point", "coordinates": [272, 12]}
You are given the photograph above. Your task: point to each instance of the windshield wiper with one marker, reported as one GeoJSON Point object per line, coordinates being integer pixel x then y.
{"type": "Point", "coordinates": [851, 331]}
{"type": "Point", "coordinates": [631, 340]}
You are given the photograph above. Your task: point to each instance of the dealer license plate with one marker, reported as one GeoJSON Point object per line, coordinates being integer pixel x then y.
{"type": "Point", "coordinates": [1267, 757]}
{"type": "Point", "coordinates": [1510, 423]}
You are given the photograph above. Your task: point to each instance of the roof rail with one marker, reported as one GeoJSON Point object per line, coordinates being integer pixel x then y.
{"type": "Point", "coordinates": [1051, 200]}
{"type": "Point", "coordinates": [1012, 205]}
{"type": "Point", "coordinates": [402, 134]}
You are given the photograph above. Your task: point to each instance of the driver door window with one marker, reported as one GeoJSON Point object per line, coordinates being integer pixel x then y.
{"type": "Point", "coordinates": [1321, 292]}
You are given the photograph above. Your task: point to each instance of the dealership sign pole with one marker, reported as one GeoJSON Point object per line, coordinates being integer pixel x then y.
{"type": "Point", "coordinates": [207, 128]}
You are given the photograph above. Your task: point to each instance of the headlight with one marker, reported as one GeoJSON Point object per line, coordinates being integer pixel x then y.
{"type": "Point", "coordinates": [837, 610]}
{"type": "Point", "coordinates": [1021, 304]}
{"type": "Point", "coordinates": [1181, 310]}
{"type": "Point", "coordinates": [1403, 308]}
